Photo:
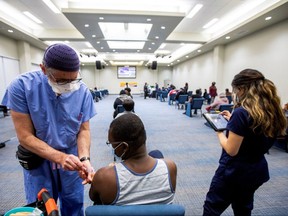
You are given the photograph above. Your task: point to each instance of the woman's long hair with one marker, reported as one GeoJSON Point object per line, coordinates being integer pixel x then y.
{"type": "Point", "coordinates": [261, 101]}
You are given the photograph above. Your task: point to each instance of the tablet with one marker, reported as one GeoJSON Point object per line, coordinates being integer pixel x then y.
{"type": "Point", "coordinates": [217, 121]}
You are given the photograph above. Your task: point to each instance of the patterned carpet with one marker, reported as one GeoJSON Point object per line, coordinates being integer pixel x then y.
{"type": "Point", "coordinates": [192, 145]}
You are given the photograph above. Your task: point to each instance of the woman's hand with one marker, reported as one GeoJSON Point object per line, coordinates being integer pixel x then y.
{"type": "Point", "coordinates": [226, 114]}
{"type": "Point", "coordinates": [87, 173]}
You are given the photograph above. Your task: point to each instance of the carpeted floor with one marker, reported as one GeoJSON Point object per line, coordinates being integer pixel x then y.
{"type": "Point", "coordinates": [192, 145]}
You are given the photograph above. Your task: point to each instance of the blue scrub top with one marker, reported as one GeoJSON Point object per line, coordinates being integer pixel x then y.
{"type": "Point", "coordinates": [56, 119]}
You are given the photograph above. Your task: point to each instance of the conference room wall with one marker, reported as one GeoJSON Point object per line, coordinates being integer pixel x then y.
{"type": "Point", "coordinates": [198, 72]}
{"type": "Point", "coordinates": [107, 78]}
{"type": "Point", "coordinates": [266, 51]}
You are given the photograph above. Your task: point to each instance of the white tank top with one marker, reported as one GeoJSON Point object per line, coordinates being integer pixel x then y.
{"type": "Point", "coordinates": [152, 187]}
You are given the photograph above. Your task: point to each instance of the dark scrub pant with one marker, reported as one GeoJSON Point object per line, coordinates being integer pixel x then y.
{"type": "Point", "coordinates": [237, 190]}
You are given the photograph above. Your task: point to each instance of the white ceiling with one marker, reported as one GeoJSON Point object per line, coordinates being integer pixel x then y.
{"type": "Point", "coordinates": [184, 37]}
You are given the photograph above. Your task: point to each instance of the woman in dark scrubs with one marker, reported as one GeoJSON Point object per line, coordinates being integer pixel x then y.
{"type": "Point", "coordinates": [257, 119]}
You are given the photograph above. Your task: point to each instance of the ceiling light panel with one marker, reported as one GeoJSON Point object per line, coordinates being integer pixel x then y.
{"type": "Point", "coordinates": [52, 6]}
{"type": "Point", "coordinates": [32, 17]}
{"type": "Point", "coordinates": [194, 11]}
{"type": "Point", "coordinates": [125, 31]}
{"type": "Point", "coordinates": [125, 45]}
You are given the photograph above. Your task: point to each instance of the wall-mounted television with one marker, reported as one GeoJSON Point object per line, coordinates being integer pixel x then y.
{"type": "Point", "coordinates": [126, 72]}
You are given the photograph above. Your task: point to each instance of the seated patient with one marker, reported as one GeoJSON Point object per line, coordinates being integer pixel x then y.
{"type": "Point", "coordinates": [222, 99]}
{"type": "Point", "coordinates": [128, 105]}
{"type": "Point", "coordinates": [139, 178]}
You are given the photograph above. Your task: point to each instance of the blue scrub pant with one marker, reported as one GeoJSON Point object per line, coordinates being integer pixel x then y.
{"type": "Point", "coordinates": [65, 185]}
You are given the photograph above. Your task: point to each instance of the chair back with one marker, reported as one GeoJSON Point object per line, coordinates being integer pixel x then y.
{"type": "Point", "coordinates": [182, 99]}
{"type": "Point", "coordinates": [120, 109]}
{"type": "Point", "coordinates": [197, 103]}
{"type": "Point", "coordinates": [228, 107]}
{"type": "Point", "coordinates": [136, 210]}
{"type": "Point", "coordinates": [164, 94]}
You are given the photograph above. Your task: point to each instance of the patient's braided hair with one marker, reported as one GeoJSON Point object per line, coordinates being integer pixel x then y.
{"type": "Point", "coordinates": [261, 101]}
{"type": "Point", "coordinates": [128, 128]}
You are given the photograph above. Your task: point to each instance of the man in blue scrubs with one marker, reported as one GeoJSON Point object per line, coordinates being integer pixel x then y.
{"type": "Point", "coordinates": [51, 109]}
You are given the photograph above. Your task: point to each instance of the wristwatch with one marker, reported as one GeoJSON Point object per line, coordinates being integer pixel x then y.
{"type": "Point", "coordinates": [84, 159]}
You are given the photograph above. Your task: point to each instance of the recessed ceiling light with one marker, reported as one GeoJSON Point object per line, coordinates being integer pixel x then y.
{"type": "Point", "coordinates": [187, 56]}
{"type": "Point", "coordinates": [148, 20]}
{"type": "Point", "coordinates": [102, 47]}
{"type": "Point", "coordinates": [199, 51]}
{"type": "Point", "coordinates": [9, 30]}
{"type": "Point", "coordinates": [86, 25]}
{"type": "Point", "coordinates": [149, 48]}
{"type": "Point", "coordinates": [98, 42]}
{"type": "Point", "coordinates": [268, 18]}
{"type": "Point", "coordinates": [178, 60]}
{"type": "Point", "coordinates": [227, 37]}
{"type": "Point", "coordinates": [157, 37]}
{"type": "Point", "coordinates": [162, 27]}
{"type": "Point", "coordinates": [93, 36]}
{"type": "Point", "coordinates": [153, 43]}
{"type": "Point", "coordinates": [101, 18]}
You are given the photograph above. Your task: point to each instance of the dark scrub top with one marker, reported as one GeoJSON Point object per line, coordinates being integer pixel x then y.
{"type": "Point", "coordinates": [249, 165]}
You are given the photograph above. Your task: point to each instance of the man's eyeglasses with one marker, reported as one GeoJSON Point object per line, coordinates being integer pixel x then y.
{"type": "Point", "coordinates": [65, 81]}
{"type": "Point", "coordinates": [116, 143]}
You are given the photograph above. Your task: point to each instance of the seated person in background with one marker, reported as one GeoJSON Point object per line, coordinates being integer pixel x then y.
{"type": "Point", "coordinates": [119, 101]}
{"type": "Point", "coordinates": [197, 95]}
{"type": "Point", "coordinates": [206, 96]}
{"type": "Point", "coordinates": [180, 92]}
{"type": "Point", "coordinates": [151, 180]}
{"type": "Point", "coordinates": [128, 105]}
{"type": "Point", "coordinates": [227, 92]}
{"type": "Point", "coordinates": [128, 92]}
{"type": "Point", "coordinates": [222, 99]}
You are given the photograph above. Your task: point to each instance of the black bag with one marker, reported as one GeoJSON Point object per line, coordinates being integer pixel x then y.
{"type": "Point", "coordinates": [27, 159]}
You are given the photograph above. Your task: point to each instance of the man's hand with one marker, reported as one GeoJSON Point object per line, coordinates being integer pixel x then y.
{"type": "Point", "coordinates": [72, 163]}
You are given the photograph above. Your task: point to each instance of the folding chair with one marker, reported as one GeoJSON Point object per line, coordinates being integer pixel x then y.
{"type": "Point", "coordinates": [195, 104]}
{"type": "Point", "coordinates": [181, 101]}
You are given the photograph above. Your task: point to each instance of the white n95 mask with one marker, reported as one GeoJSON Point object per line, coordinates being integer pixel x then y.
{"type": "Point", "coordinates": [61, 89]}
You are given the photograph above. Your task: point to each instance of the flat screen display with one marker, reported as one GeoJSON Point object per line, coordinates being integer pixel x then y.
{"type": "Point", "coordinates": [126, 72]}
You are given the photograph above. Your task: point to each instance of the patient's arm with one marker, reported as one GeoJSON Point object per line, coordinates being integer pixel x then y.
{"type": "Point", "coordinates": [103, 188]}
